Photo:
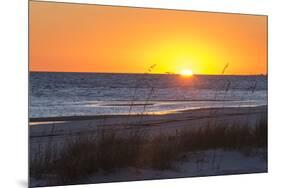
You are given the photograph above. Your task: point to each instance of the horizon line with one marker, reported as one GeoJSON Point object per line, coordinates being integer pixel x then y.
{"type": "Point", "coordinates": [260, 74]}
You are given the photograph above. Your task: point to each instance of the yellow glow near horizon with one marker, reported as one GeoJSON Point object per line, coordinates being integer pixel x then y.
{"type": "Point", "coordinates": [67, 37]}
{"type": "Point", "coordinates": [186, 72]}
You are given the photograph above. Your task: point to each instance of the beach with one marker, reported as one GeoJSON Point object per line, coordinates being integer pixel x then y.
{"type": "Point", "coordinates": [109, 127]}
{"type": "Point", "coordinates": [170, 94]}
{"type": "Point", "coordinates": [165, 123]}
{"type": "Point", "coordinates": [59, 130]}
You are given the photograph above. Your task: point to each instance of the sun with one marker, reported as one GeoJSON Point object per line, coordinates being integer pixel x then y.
{"type": "Point", "coordinates": [186, 72]}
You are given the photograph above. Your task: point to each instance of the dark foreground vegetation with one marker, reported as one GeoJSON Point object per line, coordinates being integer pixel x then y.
{"type": "Point", "coordinates": [83, 156]}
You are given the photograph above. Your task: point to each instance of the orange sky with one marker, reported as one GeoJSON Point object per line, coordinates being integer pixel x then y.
{"type": "Point", "coordinates": [91, 38]}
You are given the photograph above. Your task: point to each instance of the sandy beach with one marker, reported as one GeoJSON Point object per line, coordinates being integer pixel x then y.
{"type": "Point", "coordinates": [58, 127]}
{"type": "Point", "coordinates": [170, 94]}
{"type": "Point", "coordinates": [216, 161]}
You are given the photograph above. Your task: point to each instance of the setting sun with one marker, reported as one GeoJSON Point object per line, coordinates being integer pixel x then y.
{"type": "Point", "coordinates": [186, 72]}
{"type": "Point", "coordinates": [201, 41]}
{"type": "Point", "coordinates": [169, 89]}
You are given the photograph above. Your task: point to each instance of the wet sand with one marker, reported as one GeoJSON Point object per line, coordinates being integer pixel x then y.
{"type": "Point", "coordinates": [61, 127]}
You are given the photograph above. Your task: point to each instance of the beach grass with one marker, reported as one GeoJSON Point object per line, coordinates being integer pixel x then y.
{"type": "Point", "coordinates": [106, 152]}
{"type": "Point", "coordinates": [103, 152]}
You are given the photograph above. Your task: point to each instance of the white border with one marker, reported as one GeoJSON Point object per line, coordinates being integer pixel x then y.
{"type": "Point", "coordinates": [13, 43]}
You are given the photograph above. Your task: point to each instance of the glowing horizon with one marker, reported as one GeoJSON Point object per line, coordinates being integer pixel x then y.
{"type": "Point", "coordinates": [67, 37]}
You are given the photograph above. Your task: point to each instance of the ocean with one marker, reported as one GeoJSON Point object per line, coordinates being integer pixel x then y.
{"type": "Point", "coordinates": [78, 94]}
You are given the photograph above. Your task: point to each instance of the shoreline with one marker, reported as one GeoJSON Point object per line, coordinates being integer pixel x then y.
{"type": "Point", "coordinates": [167, 124]}
{"type": "Point", "coordinates": [96, 117]}
{"type": "Point", "coordinates": [190, 143]}
{"type": "Point", "coordinates": [155, 135]}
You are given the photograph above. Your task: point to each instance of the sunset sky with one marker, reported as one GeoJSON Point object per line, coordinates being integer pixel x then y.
{"type": "Point", "coordinates": [92, 38]}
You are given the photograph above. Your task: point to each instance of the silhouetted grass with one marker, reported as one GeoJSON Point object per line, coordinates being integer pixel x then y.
{"type": "Point", "coordinates": [83, 156]}
{"type": "Point", "coordinates": [231, 137]}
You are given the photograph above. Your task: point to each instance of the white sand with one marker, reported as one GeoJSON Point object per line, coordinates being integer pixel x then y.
{"type": "Point", "coordinates": [226, 162]}
{"type": "Point", "coordinates": [207, 163]}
